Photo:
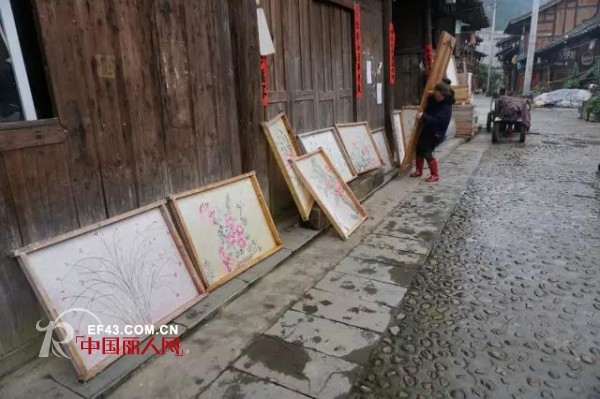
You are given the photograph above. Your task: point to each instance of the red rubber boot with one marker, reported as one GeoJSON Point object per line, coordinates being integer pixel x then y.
{"type": "Point", "coordinates": [420, 161]}
{"type": "Point", "coordinates": [435, 173]}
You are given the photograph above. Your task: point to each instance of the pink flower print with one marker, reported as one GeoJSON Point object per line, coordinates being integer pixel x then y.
{"type": "Point", "coordinates": [240, 230]}
{"type": "Point", "coordinates": [231, 239]}
{"type": "Point", "coordinates": [338, 190]}
{"type": "Point", "coordinates": [205, 210]}
{"type": "Point", "coordinates": [242, 243]}
{"type": "Point", "coordinates": [226, 259]}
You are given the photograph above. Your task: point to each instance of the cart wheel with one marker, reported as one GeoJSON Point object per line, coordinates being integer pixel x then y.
{"type": "Point", "coordinates": [488, 126]}
{"type": "Point", "coordinates": [523, 134]}
{"type": "Point", "coordinates": [495, 132]}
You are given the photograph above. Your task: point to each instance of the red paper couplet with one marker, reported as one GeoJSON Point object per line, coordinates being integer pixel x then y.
{"type": "Point", "coordinates": [357, 51]}
{"type": "Point", "coordinates": [264, 70]}
{"type": "Point", "coordinates": [392, 60]}
{"type": "Point", "coordinates": [429, 58]}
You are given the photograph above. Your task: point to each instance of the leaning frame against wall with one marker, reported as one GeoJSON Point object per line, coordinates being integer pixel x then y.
{"type": "Point", "coordinates": [329, 140]}
{"type": "Point", "coordinates": [330, 191]}
{"type": "Point", "coordinates": [383, 147]}
{"type": "Point", "coordinates": [283, 144]}
{"type": "Point", "coordinates": [360, 146]}
{"type": "Point", "coordinates": [131, 270]}
{"type": "Point", "coordinates": [226, 227]}
{"type": "Point", "coordinates": [398, 136]}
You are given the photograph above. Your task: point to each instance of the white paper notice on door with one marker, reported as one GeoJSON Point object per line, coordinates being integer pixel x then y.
{"type": "Point", "coordinates": [379, 93]}
{"type": "Point", "coordinates": [369, 73]}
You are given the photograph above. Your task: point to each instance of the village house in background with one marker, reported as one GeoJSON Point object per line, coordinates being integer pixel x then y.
{"type": "Point", "coordinates": [567, 46]}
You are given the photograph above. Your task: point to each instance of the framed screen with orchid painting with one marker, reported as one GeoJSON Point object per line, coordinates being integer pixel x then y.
{"type": "Point", "coordinates": [126, 271]}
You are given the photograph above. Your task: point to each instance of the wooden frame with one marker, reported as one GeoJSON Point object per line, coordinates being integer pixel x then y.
{"type": "Point", "coordinates": [304, 211]}
{"type": "Point", "coordinates": [25, 134]}
{"type": "Point", "coordinates": [409, 108]}
{"type": "Point", "coordinates": [339, 126]}
{"type": "Point", "coordinates": [321, 203]}
{"type": "Point", "coordinates": [444, 51]}
{"type": "Point", "coordinates": [338, 141]}
{"type": "Point", "coordinates": [22, 256]}
{"type": "Point", "coordinates": [347, 4]}
{"type": "Point", "coordinates": [187, 239]}
{"type": "Point", "coordinates": [381, 130]}
{"type": "Point", "coordinates": [398, 114]}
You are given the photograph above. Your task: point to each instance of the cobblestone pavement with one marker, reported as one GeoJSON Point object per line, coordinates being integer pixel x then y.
{"type": "Point", "coordinates": [508, 303]}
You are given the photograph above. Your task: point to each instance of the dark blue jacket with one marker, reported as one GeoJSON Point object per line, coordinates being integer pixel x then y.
{"type": "Point", "coordinates": [436, 118]}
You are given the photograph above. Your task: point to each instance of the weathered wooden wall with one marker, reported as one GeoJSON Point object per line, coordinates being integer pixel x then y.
{"type": "Point", "coordinates": [563, 17]}
{"type": "Point", "coordinates": [146, 91]}
{"type": "Point", "coordinates": [372, 50]}
{"type": "Point", "coordinates": [311, 75]}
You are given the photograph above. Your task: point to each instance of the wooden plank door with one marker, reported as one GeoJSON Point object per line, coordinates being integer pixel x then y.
{"type": "Point", "coordinates": [331, 35]}
{"type": "Point", "coordinates": [310, 74]}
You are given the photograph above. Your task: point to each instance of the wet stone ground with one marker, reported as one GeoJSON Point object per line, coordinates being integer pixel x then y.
{"type": "Point", "coordinates": [507, 304]}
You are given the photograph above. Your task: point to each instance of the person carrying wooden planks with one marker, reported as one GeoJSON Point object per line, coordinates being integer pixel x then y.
{"type": "Point", "coordinates": [436, 119]}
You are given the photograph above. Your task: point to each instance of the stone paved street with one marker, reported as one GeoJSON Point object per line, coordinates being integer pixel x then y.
{"type": "Point", "coordinates": [507, 304]}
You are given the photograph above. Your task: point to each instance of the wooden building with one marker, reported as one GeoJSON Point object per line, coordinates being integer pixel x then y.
{"type": "Point", "coordinates": [418, 24]}
{"type": "Point", "coordinates": [579, 50]}
{"type": "Point", "coordinates": [556, 19]}
{"type": "Point", "coordinates": [119, 103]}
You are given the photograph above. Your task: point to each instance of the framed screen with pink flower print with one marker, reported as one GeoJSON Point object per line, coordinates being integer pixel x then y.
{"type": "Point", "coordinates": [384, 149]}
{"type": "Point", "coordinates": [227, 227]}
{"type": "Point", "coordinates": [360, 146]}
{"type": "Point", "coordinates": [330, 191]}
{"type": "Point", "coordinates": [329, 140]}
{"type": "Point", "coordinates": [280, 136]}
{"type": "Point", "coordinates": [409, 119]}
{"type": "Point", "coordinates": [398, 137]}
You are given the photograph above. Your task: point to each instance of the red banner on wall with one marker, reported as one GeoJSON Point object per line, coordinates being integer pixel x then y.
{"type": "Point", "coordinates": [264, 72]}
{"type": "Point", "coordinates": [429, 58]}
{"type": "Point", "coordinates": [357, 52]}
{"type": "Point", "coordinates": [392, 60]}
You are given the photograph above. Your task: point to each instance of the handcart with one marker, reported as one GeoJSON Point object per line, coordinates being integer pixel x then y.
{"type": "Point", "coordinates": [507, 116]}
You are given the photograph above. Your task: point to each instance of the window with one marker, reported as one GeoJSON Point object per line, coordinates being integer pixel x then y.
{"type": "Point", "coordinates": [24, 91]}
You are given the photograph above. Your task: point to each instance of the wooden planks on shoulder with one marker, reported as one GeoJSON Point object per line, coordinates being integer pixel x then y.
{"type": "Point", "coordinates": [445, 48]}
